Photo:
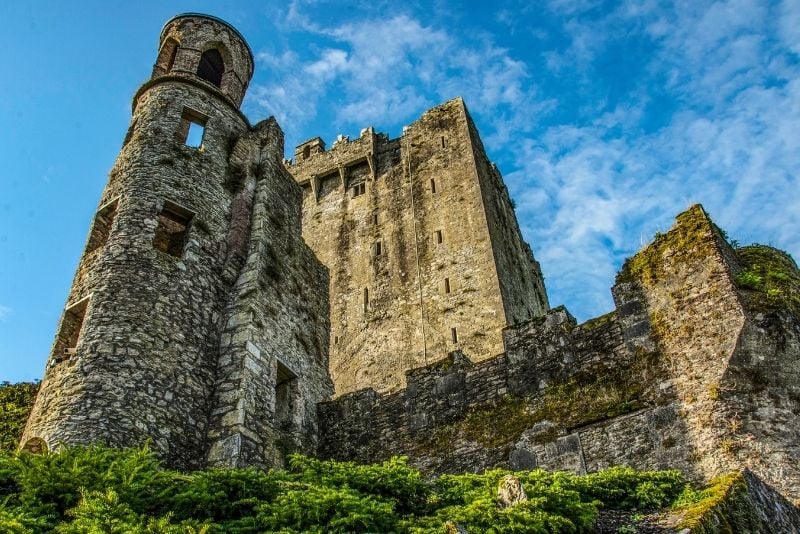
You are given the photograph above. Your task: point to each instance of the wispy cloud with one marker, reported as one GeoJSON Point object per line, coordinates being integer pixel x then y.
{"type": "Point", "coordinates": [609, 123]}
{"type": "Point", "coordinates": [5, 312]}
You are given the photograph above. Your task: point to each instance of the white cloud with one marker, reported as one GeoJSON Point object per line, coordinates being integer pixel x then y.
{"type": "Point", "coordinates": [5, 312]}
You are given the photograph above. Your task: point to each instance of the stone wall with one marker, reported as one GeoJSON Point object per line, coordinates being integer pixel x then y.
{"type": "Point", "coordinates": [684, 374]}
{"type": "Point", "coordinates": [451, 269]}
{"type": "Point", "coordinates": [194, 284]}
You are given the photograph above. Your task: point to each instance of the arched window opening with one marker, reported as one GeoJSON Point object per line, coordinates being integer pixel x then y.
{"type": "Point", "coordinates": [211, 66]}
{"type": "Point", "coordinates": [35, 446]}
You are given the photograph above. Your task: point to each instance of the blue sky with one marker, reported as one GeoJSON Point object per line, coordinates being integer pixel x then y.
{"type": "Point", "coordinates": [606, 119]}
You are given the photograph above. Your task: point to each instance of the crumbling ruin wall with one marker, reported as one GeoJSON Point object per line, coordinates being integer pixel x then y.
{"type": "Point", "coordinates": [684, 374]}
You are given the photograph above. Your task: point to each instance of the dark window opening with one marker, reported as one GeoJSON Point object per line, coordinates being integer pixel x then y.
{"type": "Point", "coordinates": [70, 332]}
{"type": "Point", "coordinates": [285, 393]}
{"type": "Point", "coordinates": [377, 248]}
{"type": "Point", "coordinates": [454, 334]}
{"type": "Point", "coordinates": [172, 229]}
{"type": "Point", "coordinates": [35, 446]}
{"type": "Point", "coordinates": [192, 127]}
{"type": "Point", "coordinates": [443, 142]}
{"type": "Point", "coordinates": [101, 228]}
{"type": "Point", "coordinates": [366, 300]}
{"type": "Point", "coordinates": [211, 66]}
{"type": "Point", "coordinates": [374, 218]}
{"type": "Point", "coordinates": [359, 189]}
{"type": "Point", "coordinates": [438, 237]}
{"type": "Point", "coordinates": [433, 185]}
{"type": "Point", "coordinates": [306, 152]}
{"type": "Point", "coordinates": [335, 340]}
{"type": "Point", "coordinates": [447, 285]}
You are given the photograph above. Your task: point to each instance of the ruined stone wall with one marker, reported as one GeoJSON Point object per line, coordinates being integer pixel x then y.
{"type": "Point", "coordinates": [144, 364]}
{"type": "Point", "coordinates": [198, 317]}
{"type": "Point", "coordinates": [434, 286]}
{"type": "Point", "coordinates": [274, 347]}
{"type": "Point", "coordinates": [685, 374]}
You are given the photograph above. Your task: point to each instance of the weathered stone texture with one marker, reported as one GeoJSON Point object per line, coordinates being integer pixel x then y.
{"type": "Point", "coordinates": [682, 375]}
{"type": "Point", "coordinates": [139, 356]}
{"type": "Point", "coordinates": [452, 270]}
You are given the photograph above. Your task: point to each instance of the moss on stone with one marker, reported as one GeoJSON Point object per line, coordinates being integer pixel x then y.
{"type": "Point", "coordinates": [770, 279]}
{"type": "Point", "coordinates": [597, 322]}
{"type": "Point", "coordinates": [688, 238]}
{"type": "Point", "coordinates": [722, 507]}
{"type": "Point", "coordinates": [590, 396]}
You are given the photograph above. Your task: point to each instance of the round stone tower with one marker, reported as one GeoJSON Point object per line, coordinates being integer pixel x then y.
{"type": "Point", "coordinates": [136, 349]}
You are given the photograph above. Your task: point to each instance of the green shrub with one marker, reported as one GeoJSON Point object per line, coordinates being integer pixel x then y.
{"type": "Point", "coordinates": [16, 401]}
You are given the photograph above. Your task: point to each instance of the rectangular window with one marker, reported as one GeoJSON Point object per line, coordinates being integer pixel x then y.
{"type": "Point", "coordinates": [366, 300]}
{"type": "Point", "coordinates": [433, 186]}
{"type": "Point", "coordinates": [172, 229]}
{"type": "Point", "coordinates": [359, 189]}
{"type": "Point", "coordinates": [438, 237]}
{"type": "Point", "coordinates": [70, 331]}
{"type": "Point", "coordinates": [192, 128]}
{"type": "Point", "coordinates": [447, 285]}
{"type": "Point", "coordinates": [335, 340]}
{"type": "Point", "coordinates": [101, 227]}
{"type": "Point", "coordinates": [454, 334]}
{"type": "Point", "coordinates": [374, 218]}
{"type": "Point", "coordinates": [443, 142]}
{"type": "Point", "coordinates": [285, 392]}
{"type": "Point", "coordinates": [377, 248]}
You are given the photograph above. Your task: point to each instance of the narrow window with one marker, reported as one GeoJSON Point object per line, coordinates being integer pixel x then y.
{"type": "Point", "coordinates": [374, 218]}
{"type": "Point", "coordinates": [172, 51]}
{"type": "Point", "coordinates": [438, 237]}
{"type": "Point", "coordinates": [70, 331]}
{"type": "Point", "coordinates": [443, 142]}
{"type": "Point", "coordinates": [285, 392]}
{"type": "Point", "coordinates": [447, 285]}
{"type": "Point", "coordinates": [366, 300]}
{"type": "Point", "coordinates": [211, 67]}
{"type": "Point", "coordinates": [191, 128]}
{"type": "Point", "coordinates": [101, 228]}
{"type": "Point", "coordinates": [454, 334]}
{"type": "Point", "coordinates": [335, 340]}
{"type": "Point", "coordinates": [433, 186]}
{"type": "Point", "coordinates": [172, 229]}
{"type": "Point", "coordinates": [377, 248]}
{"type": "Point", "coordinates": [306, 152]}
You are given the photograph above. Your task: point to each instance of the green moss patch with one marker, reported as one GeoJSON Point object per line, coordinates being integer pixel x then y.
{"type": "Point", "coordinates": [691, 237]}
{"type": "Point", "coordinates": [722, 507]}
{"type": "Point", "coordinates": [770, 278]}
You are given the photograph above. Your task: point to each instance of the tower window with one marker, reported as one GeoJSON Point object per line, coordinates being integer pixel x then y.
{"type": "Point", "coordinates": [374, 218]}
{"type": "Point", "coordinates": [439, 237]}
{"type": "Point", "coordinates": [306, 152]}
{"type": "Point", "coordinates": [101, 227]}
{"type": "Point", "coordinates": [454, 334]}
{"type": "Point", "coordinates": [172, 229]}
{"type": "Point", "coordinates": [192, 128]}
{"type": "Point", "coordinates": [444, 144]}
{"type": "Point", "coordinates": [447, 285]}
{"type": "Point", "coordinates": [366, 300]}
{"type": "Point", "coordinates": [359, 189]}
{"type": "Point", "coordinates": [285, 392]}
{"type": "Point", "coordinates": [35, 446]}
{"type": "Point", "coordinates": [70, 331]}
{"type": "Point", "coordinates": [211, 67]}
{"type": "Point", "coordinates": [377, 248]}
{"type": "Point", "coordinates": [433, 186]}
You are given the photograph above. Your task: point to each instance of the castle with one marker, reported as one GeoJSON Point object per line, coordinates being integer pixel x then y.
{"type": "Point", "coordinates": [377, 298]}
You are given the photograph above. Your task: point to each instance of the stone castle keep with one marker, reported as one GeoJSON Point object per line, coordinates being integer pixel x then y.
{"type": "Point", "coordinates": [377, 298]}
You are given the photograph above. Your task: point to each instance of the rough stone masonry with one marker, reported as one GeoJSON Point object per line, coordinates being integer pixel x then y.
{"type": "Point", "coordinates": [200, 319]}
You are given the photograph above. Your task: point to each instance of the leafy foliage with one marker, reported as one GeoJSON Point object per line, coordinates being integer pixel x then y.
{"type": "Point", "coordinates": [16, 401]}
{"type": "Point", "coordinates": [771, 276]}
{"type": "Point", "coordinates": [97, 489]}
